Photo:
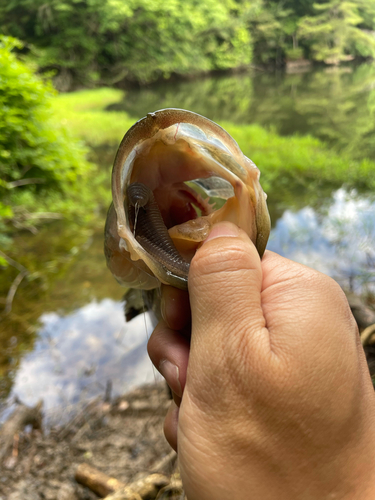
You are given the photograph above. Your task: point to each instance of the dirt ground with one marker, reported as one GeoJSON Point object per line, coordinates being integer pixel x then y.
{"type": "Point", "coordinates": [123, 439]}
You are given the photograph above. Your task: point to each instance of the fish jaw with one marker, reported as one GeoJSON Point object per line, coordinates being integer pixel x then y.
{"type": "Point", "coordinates": [168, 151]}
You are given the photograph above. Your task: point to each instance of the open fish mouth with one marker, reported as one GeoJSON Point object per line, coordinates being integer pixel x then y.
{"type": "Point", "coordinates": [175, 175]}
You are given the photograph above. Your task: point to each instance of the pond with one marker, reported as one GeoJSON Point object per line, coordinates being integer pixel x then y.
{"type": "Point", "coordinates": [336, 104]}
{"type": "Point", "coordinates": [66, 339]}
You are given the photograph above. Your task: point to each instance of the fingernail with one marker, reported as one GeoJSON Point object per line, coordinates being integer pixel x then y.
{"type": "Point", "coordinates": [171, 374]}
{"type": "Point", "coordinates": [223, 229]}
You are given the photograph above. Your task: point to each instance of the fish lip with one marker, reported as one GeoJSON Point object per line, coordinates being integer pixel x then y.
{"type": "Point", "coordinates": [144, 129]}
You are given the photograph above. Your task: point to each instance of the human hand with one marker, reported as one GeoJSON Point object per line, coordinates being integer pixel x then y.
{"type": "Point", "coordinates": [277, 401]}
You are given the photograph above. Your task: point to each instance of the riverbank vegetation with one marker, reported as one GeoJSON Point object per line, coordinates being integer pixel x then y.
{"type": "Point", "coordinates": [306, 157]}
{"type": "Point", "coordinates": [46, 138]}
{"type": "Point", "coordinates": [39, 159]}
{"type": "Point", "coordinates": [114, 42]}
{"type": "Point", "coordinates": [43, 168]}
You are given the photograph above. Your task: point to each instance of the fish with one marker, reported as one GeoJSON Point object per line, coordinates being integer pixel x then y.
{"type": "Point", "coordinates": [175, 175]}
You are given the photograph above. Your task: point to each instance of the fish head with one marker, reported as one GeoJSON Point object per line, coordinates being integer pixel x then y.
{"type": "Point", "coordinates": [198, 176]}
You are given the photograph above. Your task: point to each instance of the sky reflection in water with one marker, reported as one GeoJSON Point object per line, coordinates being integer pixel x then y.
{"type": "Point", "coordinates": [78, 353]}
{"type": "Point", "coordinates": [339, 243]}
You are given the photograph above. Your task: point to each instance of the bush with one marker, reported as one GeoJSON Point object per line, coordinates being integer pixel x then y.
{"type": "Point", "coordinates": [40, 163]}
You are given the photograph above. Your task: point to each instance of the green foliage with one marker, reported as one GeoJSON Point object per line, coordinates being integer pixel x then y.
{"type": "Point", "coordinates": [83, 113]}
{"type": "Point", "coordinates": [93, 42]}
{"type": "Point", "coordinates": [328, 30]}
{"type": "Point", "coordinates": [305, 158]}
{"type": "Point", "coordinates": [334, 32]}
{"type": "Point", "coordinates": [273, 29]}
{"type": "Point", "coordinates": [139, 40]}
{"type": "Point", "coordinates": [40, 162]}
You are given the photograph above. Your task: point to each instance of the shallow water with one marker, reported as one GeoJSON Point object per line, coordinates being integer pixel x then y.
{"type": "Point", "coordinates": [338, 240]}
{"type": "Point", "coordinates": [66, 338]}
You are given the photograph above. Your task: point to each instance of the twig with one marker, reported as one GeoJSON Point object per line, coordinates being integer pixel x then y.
{"type": "Point", "coordinates": [108, 392]}
{"type": "Point", "coordinates": [24, 182]}
{"type": "Point", "coordinates": [12, 291]}
{"type": "Point", "coordinates": [13, 288]}
{"type": "Point", "coordinates": [96, 480]}
{"type": "Point", "coordinates": [149, 486]}
{"type": "Point", "coordinates": [110, 488]}
{"type": "Point", "coordinates": [16, 440]}
{"type": "Point", "coordinates": [43, 215]}
{"type": "Point", "coordinates": [165, 463]}
{"type": "Point", "coordinates": [172, 489]}
{"type": "Point", "coordinates": [12, 262]}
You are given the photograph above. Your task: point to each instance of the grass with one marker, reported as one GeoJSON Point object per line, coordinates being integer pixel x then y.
{"type": "Point", "coordinates": [84, 113]}
{"type": "Point", "coordinates": [305, 158]}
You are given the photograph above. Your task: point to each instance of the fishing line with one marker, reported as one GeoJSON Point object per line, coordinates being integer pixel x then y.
{"type": "Point", "coordinates": [136, 211]}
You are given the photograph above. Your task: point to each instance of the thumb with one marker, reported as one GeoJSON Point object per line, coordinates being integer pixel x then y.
{"type": "Point", "coordinates": [225, 282]}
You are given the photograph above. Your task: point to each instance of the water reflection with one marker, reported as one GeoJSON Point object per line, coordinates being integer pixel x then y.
{"type": "Point", "coordinates": [76, 355]}
{"type": "Point", "coordinates": [334, 104]}
{"type": "Point", "coordinates": [338, 241]}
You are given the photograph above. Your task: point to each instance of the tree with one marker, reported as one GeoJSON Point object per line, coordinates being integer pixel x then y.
{"type": "Point", "coordinates": [90, 41]}
{"type": "Point", "coordinates": [274, 32]}
{"type": "Point", "coordinates": [334, 32]}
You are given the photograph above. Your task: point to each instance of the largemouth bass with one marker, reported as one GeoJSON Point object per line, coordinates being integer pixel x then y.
{"type": "Point", "coordinates": [175, 175]}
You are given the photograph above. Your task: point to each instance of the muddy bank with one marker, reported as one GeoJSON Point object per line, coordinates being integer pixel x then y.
{"type": "Point", "coordinates": [123, 439]}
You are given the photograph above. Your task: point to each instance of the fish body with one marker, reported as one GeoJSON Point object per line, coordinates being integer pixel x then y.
{"type": "Point", "coordinates": [175, 175]}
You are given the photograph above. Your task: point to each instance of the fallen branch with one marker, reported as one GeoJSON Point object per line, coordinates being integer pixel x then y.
{"type": "Point", "coordinates": [149, 486]}
{"type": "Point", "coordinates": [143, 408]}
{"type": "Point", "coordinates": [172, 490]}
{"type": "Point", "coordinates": [97, 481]}
{"type": "Point", "coordinates": [112, 489]}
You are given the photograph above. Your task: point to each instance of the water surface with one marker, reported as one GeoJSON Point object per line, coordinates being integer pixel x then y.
{"type": "Point", "coordinates": [336, 104]}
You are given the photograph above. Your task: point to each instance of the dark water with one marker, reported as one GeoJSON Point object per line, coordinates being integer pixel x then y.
{"type": "Point", "coordinates": [66, 337]}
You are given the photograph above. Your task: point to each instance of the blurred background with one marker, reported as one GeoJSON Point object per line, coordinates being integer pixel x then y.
{"type": "Point", "coordinates": [293, 82]}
